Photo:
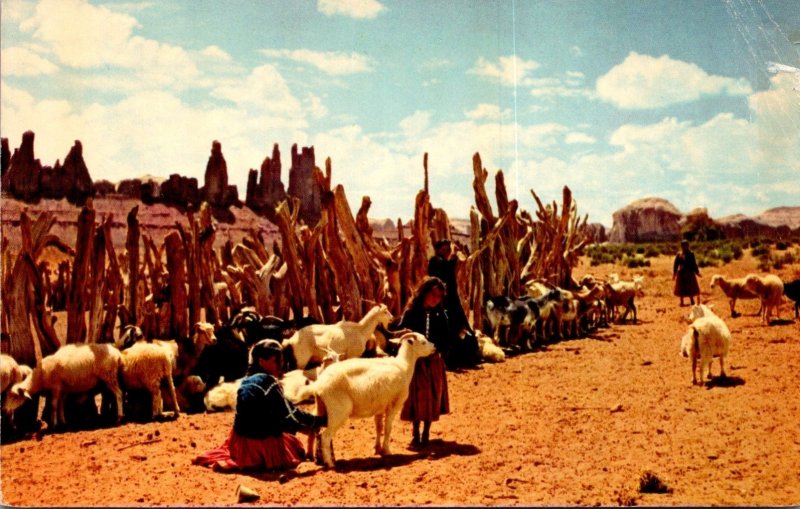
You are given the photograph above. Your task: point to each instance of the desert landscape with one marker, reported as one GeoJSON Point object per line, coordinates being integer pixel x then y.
{"type": "Point", "coordinates": [577, 422]}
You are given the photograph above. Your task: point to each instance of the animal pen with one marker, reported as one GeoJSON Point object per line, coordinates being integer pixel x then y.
{"type": "Point", "coordinates": [333, 270]}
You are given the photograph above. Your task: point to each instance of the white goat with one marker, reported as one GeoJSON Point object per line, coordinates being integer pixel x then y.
{"type": "Point", "coordinates": [348, 339]}
{"type": "Point", "coordinates": [489, 351]}
{"type": "Point", "coordinates": [71, 369]}
{"type": "Point", "coordinates": [707, 337]}
{"type": "Point", "coordinates": [367, 388]}
{"type": "Point", "coordinates": [10, 373]}
{"type": "Point", "coordinates": [622, 293]}
{"type": "Point", "coordinates": [769, 289]}
{"type": "Point", "coordinates": [145, 366]}
{"type": "Point", "coordinates": [222, 397]}
{"type": "Point", "coordinates": [733, 289]}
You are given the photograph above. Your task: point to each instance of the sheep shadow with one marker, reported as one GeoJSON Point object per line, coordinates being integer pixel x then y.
{"type": "Point", "coordinates": [781, 321]}
{"type": "Point", "coordinates": [436, 449]}
{"type": "Point", "coordinates": [727, 381]}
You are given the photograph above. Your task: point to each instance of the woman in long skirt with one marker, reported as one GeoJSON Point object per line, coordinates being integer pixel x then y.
{"type": "Point", "coordinates": [428, 398]}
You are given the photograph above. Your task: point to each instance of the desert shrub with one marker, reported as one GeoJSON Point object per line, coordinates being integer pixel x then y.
{"type": "Point", "coordinates": [760, 250]}
{"type": "Point", "coordinates": [706, 261]}
{"type": "Point", "coordinates": [782, 246]}
{"type": "Point", "coordinates": [651, 251]}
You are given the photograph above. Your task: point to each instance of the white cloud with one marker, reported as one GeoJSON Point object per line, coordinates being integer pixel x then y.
{"type": "Point", "coordinates": [19, 61]}
{"type": "Point", "coordinates": [16, 10]}
{"type": "Point", "coordinates": [105, 38]}
{"type": "Point", "coordinates": [643, 82]}
{"type": "Point", "coordinates": [576, 138]}
{"type": "Point", "coordinates": [359, 9]}
{"type": "Point", "coordinates": [416, 123]}
{"type": "Point", "coordinates": [576, 51]}
{"type": "Point", "coordinates": [266, 90]}
{"type": "Point", "coordinates": [508, 70]}
{"type": "Point", "coordinates": [216, 52]}
{"type": "Point", "coordinates": [331, 62]}
{"type": "Point", "coordinates": [488, 112]}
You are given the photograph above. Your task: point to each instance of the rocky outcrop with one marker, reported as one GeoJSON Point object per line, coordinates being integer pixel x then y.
{"type": "Point", "coordinates": [596, 233]}
{"type": "Point", "coordinates": [739, 226]}
{"type": "Point", "coordinates": [180, 192]}
{"type": "Point", "coordinates": [646, 220]}
{"type": "Point", "coordinates": [303, 185]}
{"type": "Point", "coordinates": [28, 181]}
{"type": "Point", "coordinates": [266, 192]}
{"type": "Point", "coordinates": [5, 156]}
{"type": "Point", "coordinates": [22, 179]}
{"type": "Point", "coordinates": [216, 190]}
{"type": "Point", "coordinates": [780, 216]}
{"type": "Point", "coordinates": [103, 188]}
{"type": "Point", "coordinates": [130, 188]}
{"type": "Point", "coordinates": [698, 225]}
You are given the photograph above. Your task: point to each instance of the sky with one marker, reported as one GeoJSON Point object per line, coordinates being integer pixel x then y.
{"type": "Point", "coordinates": [697, 102]}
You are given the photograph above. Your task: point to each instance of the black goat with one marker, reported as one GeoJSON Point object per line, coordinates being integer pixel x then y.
{"type": "Point", "coordinates": [792, 290]}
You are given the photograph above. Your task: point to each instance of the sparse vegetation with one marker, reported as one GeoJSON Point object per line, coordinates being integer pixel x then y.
{"type": "Point", "coordinates": [712, 253]}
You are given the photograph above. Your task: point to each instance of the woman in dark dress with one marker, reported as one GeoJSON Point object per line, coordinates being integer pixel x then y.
{"type": "Point", "coordinates": [265, 422]}
{"type": "Point", "coordinates": [685, 273]}
{"type": "Point", "coordinates": [428, 398]}
{"type": "Point", "coordinates": [464, 350]}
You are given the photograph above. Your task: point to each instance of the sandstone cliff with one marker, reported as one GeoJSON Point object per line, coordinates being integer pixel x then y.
{"type": "Point", "coordinates": [646, 220]}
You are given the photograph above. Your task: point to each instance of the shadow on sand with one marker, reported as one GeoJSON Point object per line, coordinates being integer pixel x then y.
{"type": "Point", "coordinates": [728, 381]}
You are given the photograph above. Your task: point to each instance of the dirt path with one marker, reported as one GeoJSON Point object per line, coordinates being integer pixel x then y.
{"type": "Point", "coordinates": [574, 424]}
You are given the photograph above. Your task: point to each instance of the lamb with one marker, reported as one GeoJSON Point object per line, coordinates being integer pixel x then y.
{"type": "Point", "coordinates": [792, 290]}
{"type": "Point", "coordinates": [622, 293]}
{"type": "Point", "coordinates": [489, 351]}
{"type": "Point", "coordinates": [349, 339]}
{"type": "Point", "coordinates": [145, 366]}
{"type": "Point", "coordinates": [11, 373]}
{"type": "Point", "coordinates": [364, 388]}
{"type": "Point", "coordinates": [71, 369]}
{"type": "Point", "coordinates": [294, 380]}
{"type": "Point", "coordinates": [769, 289]}
{"type": "Point", "coordinates": [707, 337]}
{"type": "Point", "coordinates": [222, 397]}
{"type": "Point", "coordinates": [733, 289]}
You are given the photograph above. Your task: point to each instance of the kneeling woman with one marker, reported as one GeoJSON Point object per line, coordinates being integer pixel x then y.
{"type": "Point", "coordinates": [263, 437]}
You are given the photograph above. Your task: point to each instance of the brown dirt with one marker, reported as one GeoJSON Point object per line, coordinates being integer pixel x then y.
{"type": "Point", "coordinates": [575, 424]}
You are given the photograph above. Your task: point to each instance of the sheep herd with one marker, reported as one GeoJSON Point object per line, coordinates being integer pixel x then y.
{"type": "Point", "coordinates": [139, 377]}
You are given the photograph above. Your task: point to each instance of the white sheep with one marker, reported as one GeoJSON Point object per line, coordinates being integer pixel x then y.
{"type": "Point", "coordinates": [10, 373]}
{"type": "Point", "coordinates": [362, 388]}
{"type": "Point", "coordinates": [707, 337]}
{"type": "Point", "coordinates": [294, 380]}
{"type": "Point", "coordinates": [489, 351]}
{"type": "Point", "coordinates": [71, 369]}
{"type": "Point", "coordinates": [769, 289]}
{"type": "Point", "coordinates": [145, 366]}
{"type": "Point", "coordinates": [733, 289]}
{"type": "Point", "coordinates": [222, 397]}
{"type": "Point", "coordinates": [622, 293]}
{"type": "Point", "coordinates": [348, 339]}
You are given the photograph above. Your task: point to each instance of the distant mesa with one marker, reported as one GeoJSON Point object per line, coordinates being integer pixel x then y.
{"type": "Point", "coordinates": [646, 220]}
{"type": "Point", "coordinates": [656, 219]}
{"type": "Point", "coordinates": [24, 178]}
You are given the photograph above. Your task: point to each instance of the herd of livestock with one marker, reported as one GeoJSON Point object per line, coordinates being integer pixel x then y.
{"type": "Point", "coordinates": [139, 378]}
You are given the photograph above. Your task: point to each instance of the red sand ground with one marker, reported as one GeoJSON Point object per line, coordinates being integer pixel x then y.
{"type": "Point", "coordinates": [574, 424]}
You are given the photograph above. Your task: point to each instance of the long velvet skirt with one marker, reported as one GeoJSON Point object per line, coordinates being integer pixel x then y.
{"type": "Point", "coordinates": [427, 394]}
{"type": "Point", "coordinates": [686, 285]}
{"type": "Point", "coordinates": [241, 453]}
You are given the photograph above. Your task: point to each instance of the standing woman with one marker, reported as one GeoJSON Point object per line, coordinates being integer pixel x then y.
{"type": "Point", "coordinates": [685, 273]}
{"type": "Point", "coordinates": [265, 422]}
{"type": "Point", "coordinates": [427, 396]}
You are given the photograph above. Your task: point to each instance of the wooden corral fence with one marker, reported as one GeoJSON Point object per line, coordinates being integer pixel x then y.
{"type": "Point", "coordinates": [334, 270]}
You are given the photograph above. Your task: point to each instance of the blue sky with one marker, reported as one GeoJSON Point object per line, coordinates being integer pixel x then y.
{"type": "Point", "coordinates": [616, 99]}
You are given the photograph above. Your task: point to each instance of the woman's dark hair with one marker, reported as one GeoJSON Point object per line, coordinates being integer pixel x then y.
{"type": "Point", "coordinates": [441, 243]}
{"type": "Point", "coordinates": [264, 349]}
{"type": "Point", "coordinates": [424, 288]}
